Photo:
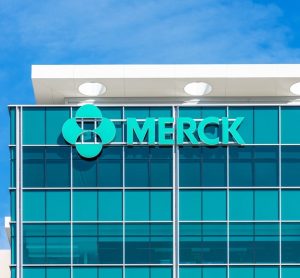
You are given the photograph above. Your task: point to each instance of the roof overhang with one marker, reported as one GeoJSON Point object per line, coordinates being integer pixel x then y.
{"type": "Point", "coordinates": [56, 84]}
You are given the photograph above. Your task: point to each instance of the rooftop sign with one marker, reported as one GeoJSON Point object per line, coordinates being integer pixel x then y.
{"type": "Point", "coordinates": [88, 131]}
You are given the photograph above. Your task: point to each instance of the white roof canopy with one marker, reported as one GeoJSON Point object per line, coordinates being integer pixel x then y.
{"type": "Point", "coordinates": [55, 84]}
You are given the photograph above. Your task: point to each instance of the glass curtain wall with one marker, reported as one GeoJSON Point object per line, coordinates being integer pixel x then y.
{"type": "Point", "coordinates": [158, 211]}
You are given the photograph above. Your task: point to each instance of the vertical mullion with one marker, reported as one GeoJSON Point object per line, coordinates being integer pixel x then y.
{"type": "Point", "coordinates": [227, 202]}
{"type": "Point", "coordinates": [19, 239]}
{"type": "Point", "coordinates": [71, 202]}
{"type": "Point", "coordinates": [123, 191]}
{"type": "Point", "coordinates": [175, 170]}
{"type": "Point", "coordinates": [280, 193]}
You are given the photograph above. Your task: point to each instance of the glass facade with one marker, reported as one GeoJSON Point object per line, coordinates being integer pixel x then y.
{"type": "Point", "coordinates": [157, 211]}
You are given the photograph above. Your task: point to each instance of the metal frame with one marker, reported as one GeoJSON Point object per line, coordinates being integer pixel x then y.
{"type": "Point", "coordinates": [175, 189]}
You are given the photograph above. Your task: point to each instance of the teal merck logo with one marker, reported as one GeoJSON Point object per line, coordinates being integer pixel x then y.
{"type": "Point", "coordinates": [88, 131]}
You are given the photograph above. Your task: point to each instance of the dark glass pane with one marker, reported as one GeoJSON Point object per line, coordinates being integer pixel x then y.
{"type": "Point", "coordinates": [110, 169]}
{"type": "Point", "coordinates": [197, 163]}
{"type": "Point", "coordinates": [254, 243]}
{"type": "Point", "coordinates": [290, 165]}
{"type": "Point", "coordinates": [110, 243]}
{"type": "Point", "coordinates": [33, 167]}
{"type": "Point", "coordinates": [58, 243]}
{"type": "Point", "coordinates": [34, 244]}
{"type": "Point", "coordinates": [148, 167]}
{"type": "Point", "coordinates": [290, 242]}
{"type": "Point", "coordinates": [98, 244]}
{"type": "Point", "coordinates": [253, 166]}
{"type": "Point", "coordinates": [203, 243]}
{"type": "Point", "coordinates": [57, 169]}
{"type": "Point", "coordinates": [84, 173]}
{"type": "Point", "coordinates": [149, 243]}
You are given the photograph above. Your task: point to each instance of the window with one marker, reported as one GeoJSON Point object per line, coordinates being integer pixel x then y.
{"type": "Point", "coordinates": [290, 165]}
{"type": "Point", "coordinates": [34, 206]}
{"type": "Point", "coordinates": [149, 243]}
{"type": "Point", "coordinates": [253, 166]}
{"type": "Point", "coordinates": [85, 205]}
{"type": "Point", "coordinates": [12, 114]}
{"type": "Point", "coordinates": [33, 167]}
{"type": "Point", "coordinates": [57, 169]}
{"type": "Point", "coordinates": [241, 205]}
{"type": "Point", "coordinates": [110, 205]}
{"type": "Point", "coordinates": [253, 205]}
{"type": "Point", "coordinates": [254, 272]}
{"type": "Point", "coordinates": [290, 271]}
{"type": "Point", "coordinates": [290, 242]}
{"type": "Point", "coordinates": [197, 163]}
{"type": "Point", "coordinates": [84, 171]}
{"type": "Point", "coordinates": [290, 204]}
{"type": "Point", "coordinates": [190, 205]}
{"type": "Point", "coordinates": [98, 244]}
{"type": "Point", "coordinates": [260, 124]}
{"type": "Point", "coordinates": [46, 244]}
{"type": "Point", "coordinates": [33, 126]}
{"type": "Point", "coordinates": [114, 113]}
{"type": "Point", "coordinates": [48, 167]}
{"type": "Point", "coordinates": [246, 127]}
{"type": "Point", "coordinates": [203, 243]}
{"type": "Point", "coordinates": [58, 272]}
{"type": "Point", "coordinates": [13, 244]}
{"type": "Point", "coordinates": [148, 272]}
{"type": "Point", "coordinates": [290, 130]}
{"type": "Point", "coordinates": [202, 205]}
{"type": "Point", "coordinates": [55, 119]}
{"type": "Point", "coordinates": [254, 243]}
{"type": "Point", "coordinates": [110, 169]}
{"type": "Point", "coordinates": [144, 205]}
{"type": "Point", "coordinates": [148, 167]}
{"type": "Point", "coordinates": [214, 205]}
{"type": "Point", "coordinates": [13, 167]}
{"type": "Point", "coordinates": [13, 205]}
{"type": "Point", "coordinates": [266, 205]}
{"type": "Point", "coordinates": [58, 205]}
{"type": "Point", "coordinates": [34, 272]}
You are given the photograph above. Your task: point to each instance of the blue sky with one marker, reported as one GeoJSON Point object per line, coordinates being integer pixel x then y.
{"type": "Point", "coordinates": [116, 32]}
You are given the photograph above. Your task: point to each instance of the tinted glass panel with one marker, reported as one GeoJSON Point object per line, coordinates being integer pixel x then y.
{"type": "Point", "coordinates": [33, 126]}
{"type": "Point", "coordinates": [55, 118]}
{"type": "Point", "coordinates": [148, 243]}
{"type": "Point", "coordinates": [97, 244]}
{"type": "Point", "coordinates": [290, 129]}
{"type": "Point", "coordinates": [290, 242]}
{"type": "Point", "coordinates": [197, 163]}
{"type": "Point", "coordinates": [254, 243]}
{"type": "Point", "coordinates": [203, 243]}
{"type": "Point", "coordinates": [290, 165]}
{"type": "Point", "coordinates": [249, 165]}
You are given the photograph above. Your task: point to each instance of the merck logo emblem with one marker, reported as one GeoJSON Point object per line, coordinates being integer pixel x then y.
{"type": "Point", "coordinates": [88, 131]}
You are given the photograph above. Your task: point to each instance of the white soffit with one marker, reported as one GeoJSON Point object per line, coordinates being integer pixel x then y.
{"type": "Point", "coordinates": [53, 84]}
